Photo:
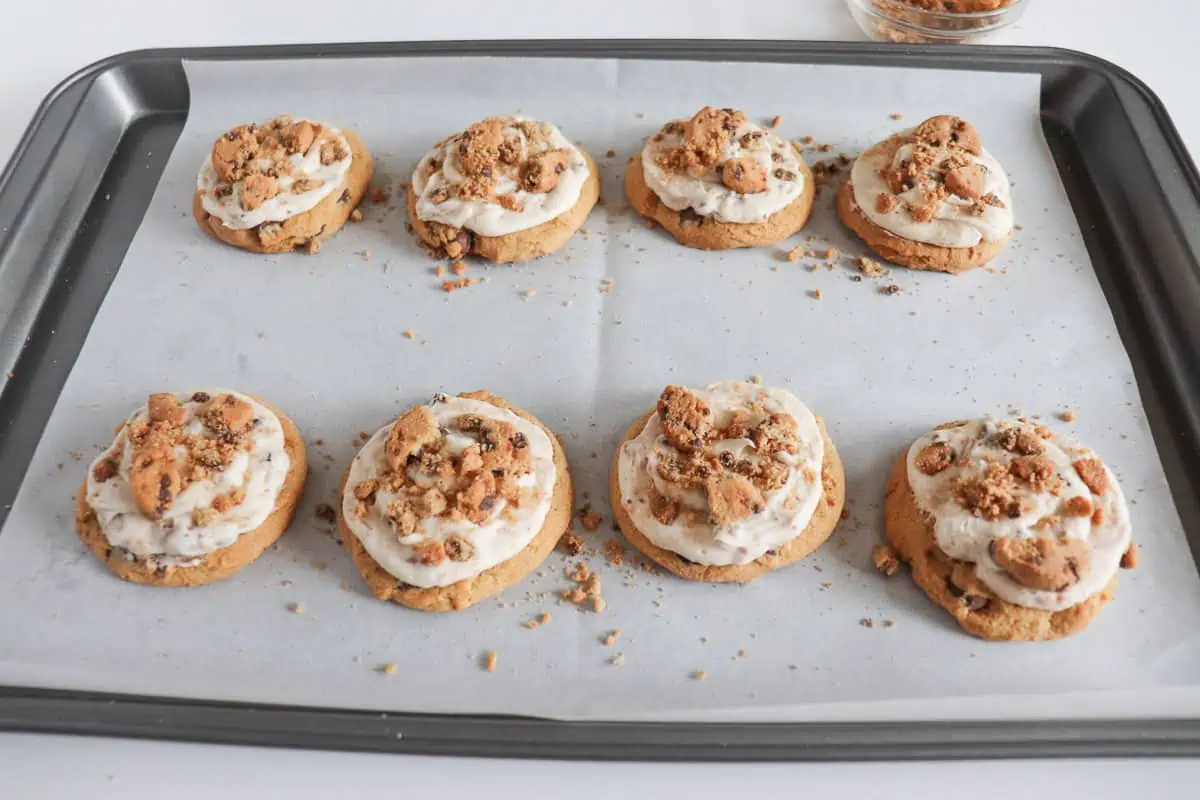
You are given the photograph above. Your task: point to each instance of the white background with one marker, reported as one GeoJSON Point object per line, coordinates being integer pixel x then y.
{"type": "Point", "coordinates": [42, 42]}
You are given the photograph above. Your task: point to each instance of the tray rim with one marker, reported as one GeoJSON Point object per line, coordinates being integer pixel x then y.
{"type": "Point", "coordinates": [90, 713]}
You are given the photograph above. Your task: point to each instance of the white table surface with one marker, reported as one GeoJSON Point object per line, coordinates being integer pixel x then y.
{"type": "Point", "coordinates": [41, 42]}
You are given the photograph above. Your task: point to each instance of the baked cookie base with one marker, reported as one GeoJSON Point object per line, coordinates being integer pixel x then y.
{"type": "Point", "coordinates": [218, 564]}
{"type": "Point", "coordinates": [819, 529]}
{"type": "Point", "coordinates": [905, 252]}
{"type": "Point", "coordinates": [303, 231]}
{"type": "Point", "coordinates": [706, 233]}
{"type": "Point", "coordinates": [952, 584]}
{"type": "Point", "coordinates": [519, 246]}
{"type": "Point", "coordinates": [465, 593]}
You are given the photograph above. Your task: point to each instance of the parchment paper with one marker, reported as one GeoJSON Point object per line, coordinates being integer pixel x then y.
{"type": "Point", "coordinates": [321, 337]}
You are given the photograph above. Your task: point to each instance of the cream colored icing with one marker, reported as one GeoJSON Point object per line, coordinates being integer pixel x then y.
{"type": "Point", "coordinates": [707, 196]}
{"type": "Point", "coordinates": [174, 538]}
{"type": "Point", "coordinates": [505, 532]}
{"type": "Point", "coordinates": [694, 536]}
{"type": "Point", "coordinates": [964, 536]}
{"type": "Point", "coordinates": [490, 218]}
{"type": "Point", "coordinates": [286, 204]}
{"type": "Point", "coordinates": [953, 224]}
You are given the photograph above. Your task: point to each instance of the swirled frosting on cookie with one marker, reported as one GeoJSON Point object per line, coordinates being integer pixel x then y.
{"type": "Point", "coordinates": [271, 172]}
{"type": "Point", "coordinates": [719, 164]}
{"type": "Point", "coordinates": [450, 489]}
{"type": "Point", "coordinates": [188, 474]}
{"type": "Point", "coordinates": [500, 176]}
{"type": "Point", "coordinates": [724, 474]}
{"type": "Point", "coordinates": [1041, 518]}
{"type": "Point", "coordinates": [935, 184]}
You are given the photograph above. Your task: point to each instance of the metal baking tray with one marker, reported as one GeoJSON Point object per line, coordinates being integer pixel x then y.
{"type": "Point", "coordinates": [71, 201]}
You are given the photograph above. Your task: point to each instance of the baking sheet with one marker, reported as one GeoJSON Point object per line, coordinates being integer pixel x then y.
{"type": "Point", "coordinates": [321, 337]}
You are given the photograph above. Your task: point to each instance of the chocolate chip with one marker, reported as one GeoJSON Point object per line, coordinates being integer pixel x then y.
{"type": "Point", "coordinates": [487, 503]}
{"type": "Point", "coordinates": [201, 397]}
{"type": "Point", "coordinates": [519, 441]}
{"type": "Point", "coordinates": [345, 198]}
{"type": "Point", "coordinates": [772, 552]}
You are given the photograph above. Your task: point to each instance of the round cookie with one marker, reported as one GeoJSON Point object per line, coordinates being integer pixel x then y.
{"type": "Point", "coordinates": [941, 202]}
{"type": "Point", "coordinates": [220, 563]}
{"type": "Point", "coordinates": [519, 246]}
{"type": "Point", "coordinates": [506, 189]}
{"type": "Point", "coordinates": [905, 252]}
{"type": "Point", "coordinates": [306, 230]}
{"type": "Point", "coordinates": [820, 527]}
{"type": "Point", "coordinates": [468, 591]}
{"type": "Point", "coordinates": [706, 233]}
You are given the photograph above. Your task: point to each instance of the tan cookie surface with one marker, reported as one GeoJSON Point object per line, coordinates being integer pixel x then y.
{"type": "Point", "coordinates": [306, 230]}
{"type": "Point", "coordinates": [220, 563]}
{"type": "Point", "coordinates": [818, 530]}
{"type": "Point", "coordinates": [519, 246]}
{"type": "Point", "coordinates": [905, 252]}
{"type": "Point", "coordinates": [953, 585]}
{"type": "Point", "coordinates": [705, 233]}
{"type": "Point", "coordinates": [465, 593]}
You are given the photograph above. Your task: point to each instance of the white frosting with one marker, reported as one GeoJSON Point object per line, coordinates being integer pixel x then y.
{"type": "Point", "coordinates": [694, 535]}
{"type": "Point", "coordinates": [707, 196]}
{"type": "Point", "coordinates": [174, 538]}
{"type": "Point", "coordinates": [506, 531]}
{"type": "Point", "coordinates": [953, 225]}
{"type": "Point", "coordinates": [284, 205]}
{"type": "Point", "coordinates": [490, 218]}
{"type": "Point", "coordinates": [966, 537]}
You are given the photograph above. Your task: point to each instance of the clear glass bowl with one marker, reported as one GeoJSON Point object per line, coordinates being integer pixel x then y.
{"type": "Point", "coordinates": [905, 21]}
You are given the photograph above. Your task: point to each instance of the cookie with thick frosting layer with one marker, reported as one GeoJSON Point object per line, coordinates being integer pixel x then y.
{"type": "Point", "coordinates": [505, 189]}
{"type": "Point", "coordinates": [1016, 531]}
{"type": "Point", "coordinates": [727, 483]}
{"type": "Point", "coordinates": [454, 501]}
{"type": "Point", "coordinates": [284, 185]}
{"type": "Point", "coordinates": [930, 198]}
{"type": "Point", "coordinates": [718, 181]}
{"type": "Point", "coordinates": [194, 487]}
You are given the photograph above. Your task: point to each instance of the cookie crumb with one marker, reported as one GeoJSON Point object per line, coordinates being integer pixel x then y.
{"type": "Point", "coordinates": [410, 334]}
{"type": "Point", "coordinates": [610, 637]}
{"type": "Point", "coordinates": [815, 294]}
{"type": "Point", "coordinates": [795, 254]}
{"type": "Point", "coordinates": [756, 379]}
{"type": "Point", "coordinates": [296, 608]}
{"type": "Point", "coordinates": [571, 544]}
{"type": "Point", "coordinates": [589, 519]}
{"type": "Point", "coordinates": [889, 623]}
{"type": "Point", "coordinates": [885, 559]}
{"type": "Point", "coordinates": [867, 622]}
{"type": "Point", "coordinates": [380, 195]}
{"type": "Point", "coordinates": [490, 660]}
{"type": "Point", "coordinates": [529, 292]}
{"type": "Point", "coordinates": [614, 552]}
{"type": "Point", "coordinates": [618, 660]}
{"type": "Point", "coordinates": [871, 268]}
{"type": "Point", "coordinates": [699, 675]}
{"type": "Point", "coordinates": [598, 604]}
{"type": "Point", "coordinates": [387, 669]}
{"type": "Point", "coordinates": [1131, 556]}
{"type": "Point", "coordinates": [1067, 415]}
{"type": "Point", "coordinates": [890, 289]}
{"type": "Point", "coordinates": [325, 513]}
{"type": "Point", "coordinates": [895, 115]}
{"type": "Point", "coordinates": [831, 254]}
{"type": "Point", "coordinates": [356, 216]}
{"type": "Point", "coordinates": [610, 154]}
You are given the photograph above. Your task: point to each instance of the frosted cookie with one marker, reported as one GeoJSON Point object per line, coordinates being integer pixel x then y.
{"type": "Point", "coordinates": [194, 487]}
{"type": "Point", "coordinates": [718, 181]}
{"type": "Point", "coordinates": [506, 189]}
{"type": "Point", "coordinates": [1015, 530]}
{"type": "Point", "coordinates": [930, 198]}
{"type": "Point", "coordinates": [284, 185]}
{"type": "Point", "coordinates": [728, 482]}
{"type": "Point", "coordinates": [454, 501]}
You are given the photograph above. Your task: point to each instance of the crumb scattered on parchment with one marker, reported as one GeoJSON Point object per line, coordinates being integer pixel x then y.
{"type": "Point", "coordinates": [742, 653]}
{"type": "Point", "coordinates": [387, 669]}
{"type": "Point", "coordinates": [571, 544]}
{"type": "Point", "coordinates": [325, 513]}
{"type": "Point", "coordinates": [895, 115]}
{"type": "Point", "coordinates": [1132, 556]}
{"type": "Point", "coordinates": [815, 294]}
{"type": "Point", "coordinates": [356, 216]}
{"type": "Point", "coordinates": [756, 379]}
{"type": "Point", "coordinates": [490, 660]}
{"type": "Point", "coordinates": [439, 270]}
{"type": "Point", "coordinates": [871, 268]}
{"type": "Point", "coordinates": [614, 552]}
{"type": "Point", "coordinates": [825, 148]}
{"type": "Point", "coordinates": [826, 586]}
{"type": "Point", "coordinates": [380, 195]}
{"type": "Point", "coordinates": [589, 519]}
{"type": "Point", "coordinates": [890, 289]}
{"type": "Point", "coordinates": [885, 559]}
{"type": "Point", "coordinates": [1019, 227]}
{"type": "Point", "coordinates": [831, 254]}
{"type": "Point", "coordinates": [1067, 415]}
{"type": "Point", "coordinates": [776, 120]}
{"type": "Point", "coordinates": [458, 267]}
{"type": "Point", "coordinates": [699, 675]}
{"type": "Point", "coordinates": [296, 608]}
{"type": "Point", "coordinates": [610, 638]}
{"type": "Point", "coordinates": [807, 140]}
{"type": "Point", "coordinates": [410, 334]}
{"type": "Point", "coordinates": [889, 623]}
{"type": "Point", "coordinates": [529, 292]}
{"type": "Point", "coordinates": [618, 660]}
{"type": "Point", "coordinates": [867, 622]}
{"type": "Point", "coordinates": [795, 254]}
{"type": "Point", "coordinates": [587, 589]}
{"type": "Point", "coordinates": [539, 620]}
{"type": "Point", "coordinates": [610, 154]}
